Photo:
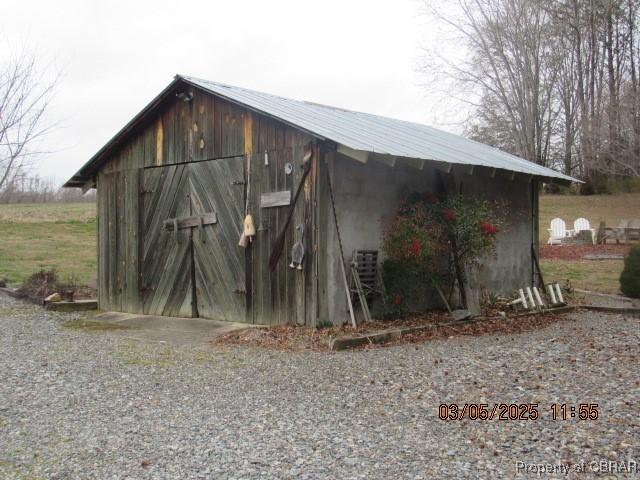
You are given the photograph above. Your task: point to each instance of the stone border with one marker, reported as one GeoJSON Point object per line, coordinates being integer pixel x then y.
{"type": "Point", "coordinates": [383, 336]}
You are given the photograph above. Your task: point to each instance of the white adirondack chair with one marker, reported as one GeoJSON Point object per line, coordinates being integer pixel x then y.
{"type": "Point", "coordinates": [583, 224]}
{"type": "Point", "coordinates": [557, 232]}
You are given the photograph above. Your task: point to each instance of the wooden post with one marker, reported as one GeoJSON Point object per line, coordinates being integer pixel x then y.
{"type": "Point", "coordinates": [601, 236]}
{"type": "Point", "coordinates": [537, 265]}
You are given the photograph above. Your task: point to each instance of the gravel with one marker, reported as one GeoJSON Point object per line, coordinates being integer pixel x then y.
{"type": "Point", "coordinates": [84, 405]}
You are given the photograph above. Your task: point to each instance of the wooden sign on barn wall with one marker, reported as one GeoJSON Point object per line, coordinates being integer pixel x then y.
{"type": "Point", "coordinates": [275, 199]}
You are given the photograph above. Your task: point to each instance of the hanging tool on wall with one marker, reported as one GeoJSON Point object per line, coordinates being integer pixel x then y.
{"type": "Point", "coordinates": [278, 246]}
{"type": "Point", "coordinates": [249, 229]}
{"type": "Point", "coordinates": [297, 251]}
{"type": "Point", "coordinates": [248, 232]}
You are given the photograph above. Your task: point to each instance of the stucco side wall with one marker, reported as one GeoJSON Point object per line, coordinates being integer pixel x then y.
{"type": "Point", "coordinates": [511, 266]}
{"type": "Point", "coordinates": [367, 196]}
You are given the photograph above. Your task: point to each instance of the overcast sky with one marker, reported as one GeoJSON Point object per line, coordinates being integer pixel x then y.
{"type": "Point", "coordinates": [116, 56]}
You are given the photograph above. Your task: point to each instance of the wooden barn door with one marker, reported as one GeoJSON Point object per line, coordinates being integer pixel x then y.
{"type": "Point", "coordinates": [219, 186]}
{"type": "Point", "coordinates": [194, 270]}
{"type": "Point", "coordinates": [166, 266]}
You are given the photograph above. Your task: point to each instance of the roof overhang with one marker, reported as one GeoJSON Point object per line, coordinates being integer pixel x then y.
{"type": "Point", "coordinates": [363, 156]}
{"type": "Point", "coordinates": [88, 171]}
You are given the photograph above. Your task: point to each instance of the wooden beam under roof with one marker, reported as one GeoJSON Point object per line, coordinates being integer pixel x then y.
{"type": "Point", "coordinates": [361, 156]}
{"type": "Point", "coordinates": [88, 185]}
{"type": "Point", "coordinates": [417, 163]}
{"type": "Point", "coordinates": [389, 160]}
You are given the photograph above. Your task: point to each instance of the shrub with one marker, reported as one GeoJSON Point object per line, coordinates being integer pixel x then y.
{"type": "Point", "coordinates": [423, 238]}
{"type": "Point", "coordinates": [630, 277]}
{"type": "Point", "coordinates": [45, 282]}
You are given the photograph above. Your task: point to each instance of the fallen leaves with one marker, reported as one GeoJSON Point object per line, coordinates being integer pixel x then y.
{"type": "Point", "coordinates": [297, 338]}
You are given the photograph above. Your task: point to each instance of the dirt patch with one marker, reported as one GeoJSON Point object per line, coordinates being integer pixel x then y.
{"type": "Point", "coordinates": [295, 338]}
{"type": "Point", "coordinates": [45, 282]}
{"type": "Point", "coordinates": [579, 252]}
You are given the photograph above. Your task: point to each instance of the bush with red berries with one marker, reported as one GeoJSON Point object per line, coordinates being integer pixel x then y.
{"type": "Point", "coordinates": [420, 242]}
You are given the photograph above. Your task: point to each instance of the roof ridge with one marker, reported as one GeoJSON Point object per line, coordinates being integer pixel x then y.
{"type": "Point", "coordinates": [307, 102]}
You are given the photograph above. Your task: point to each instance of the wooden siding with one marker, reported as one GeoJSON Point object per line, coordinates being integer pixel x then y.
{"type": "Point", "coordinates": [211, 128]}
{"type": "Point", "coordinates": [118, 241]}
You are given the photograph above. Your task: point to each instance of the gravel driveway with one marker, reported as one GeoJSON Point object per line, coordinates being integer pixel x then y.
{"type": "Point", "coordinates": [93, 405]}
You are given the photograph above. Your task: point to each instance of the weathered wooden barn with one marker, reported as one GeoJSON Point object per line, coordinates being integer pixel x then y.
{"type": "Point", "coordinates": [174, 186]}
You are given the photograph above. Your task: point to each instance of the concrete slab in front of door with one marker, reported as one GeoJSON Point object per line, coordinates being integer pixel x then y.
{"type": "Point", "coordinates": [170, 330]}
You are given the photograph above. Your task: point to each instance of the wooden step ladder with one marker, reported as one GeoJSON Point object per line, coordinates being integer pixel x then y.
{"type": "Point", "coordinates": [366, 279]}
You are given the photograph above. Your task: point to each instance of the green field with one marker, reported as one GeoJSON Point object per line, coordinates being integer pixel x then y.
{"type": "Point", "coordinates": [600, 276]}
{"type": "Point", "coordinates": [45, 236]}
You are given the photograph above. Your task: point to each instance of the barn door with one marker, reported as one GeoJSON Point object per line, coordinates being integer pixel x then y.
{"type": "Point", "coordinates": [166, 266]}
{"type": "Point", "coordinates": [218, 186]}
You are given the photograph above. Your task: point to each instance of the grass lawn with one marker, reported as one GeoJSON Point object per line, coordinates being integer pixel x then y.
{"type": "Point", "coordinates": [597, 275]}
{"type": "Point", "coordinates": [601, 275]}
{"type": "Point", "coordinates": [45, 236]}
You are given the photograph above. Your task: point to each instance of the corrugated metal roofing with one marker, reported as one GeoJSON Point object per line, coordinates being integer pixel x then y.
{"type": "Point", "coordinates": [373, 133]}
{"type": "Point", "coordinates": [356, 130]}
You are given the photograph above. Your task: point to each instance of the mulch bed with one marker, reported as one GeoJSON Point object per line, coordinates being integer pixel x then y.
{"type": "Point", "coordinates": [295, 338]}
{"type": "Point", "coordinates": [578, 252]}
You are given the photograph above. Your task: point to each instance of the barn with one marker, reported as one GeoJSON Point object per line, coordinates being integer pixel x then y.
{"type": "Point", "coordinates": [175, 184]}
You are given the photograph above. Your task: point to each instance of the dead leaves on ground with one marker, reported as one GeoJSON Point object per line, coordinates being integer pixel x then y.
{"type": "Point", "coordinates": [298, 338]}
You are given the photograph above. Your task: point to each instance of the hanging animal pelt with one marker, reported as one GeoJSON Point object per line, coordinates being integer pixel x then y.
{"type": "Point", "coordinates": [278, 246]}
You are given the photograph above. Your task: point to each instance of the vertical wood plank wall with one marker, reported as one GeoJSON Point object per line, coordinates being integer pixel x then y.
{"type": "Point", "coordinates": [209, 127]}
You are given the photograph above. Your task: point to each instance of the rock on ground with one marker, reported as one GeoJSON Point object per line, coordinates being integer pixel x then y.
{"type": "Point", "coordinates": [79, 405]}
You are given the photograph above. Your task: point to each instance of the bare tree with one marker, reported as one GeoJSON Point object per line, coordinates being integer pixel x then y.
{"type": "Point", "coordinates": [25, 95]}
{"type": "Point", "coordinates": [555, 81]}
{"type": "Point", "coordinates": [512, 65]}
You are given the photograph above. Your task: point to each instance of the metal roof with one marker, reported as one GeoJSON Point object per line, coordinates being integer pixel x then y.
{"type": "Point", "coordinates": [383, 135]}
{"type": "Point", "coordinates": [358, 131]}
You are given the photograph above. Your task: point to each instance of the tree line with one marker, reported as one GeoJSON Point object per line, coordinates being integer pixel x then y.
{"type": "Point", "coordinates": [553, 81]}
{"type": "Point", "coordinates": [24, 187]}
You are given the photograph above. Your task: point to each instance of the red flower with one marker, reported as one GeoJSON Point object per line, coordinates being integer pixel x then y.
{"type": "Point", "coordinates": [397, 300]}
{"type": "Point", "coordinates": [488, 228]}
{"type": "Point", "coordinates": [429, 197]}
{"type": "Point", "coordinates": [415, 247]}
{"type": "Point", "coordinates": [449, 215]}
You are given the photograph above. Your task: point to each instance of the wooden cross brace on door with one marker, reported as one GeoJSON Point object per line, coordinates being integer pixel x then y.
{"type": "Point", "coordinates": [176, 224]}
